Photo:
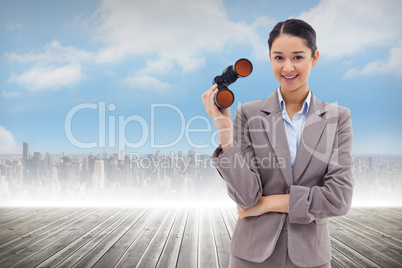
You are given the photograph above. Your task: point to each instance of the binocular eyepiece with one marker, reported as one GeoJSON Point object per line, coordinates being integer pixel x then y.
{"type": "Point", "coordinates": [224, 97]}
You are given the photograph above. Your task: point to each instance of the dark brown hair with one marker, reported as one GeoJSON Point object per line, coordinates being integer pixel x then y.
{"type": "Point", "coordinates": [294, 27]}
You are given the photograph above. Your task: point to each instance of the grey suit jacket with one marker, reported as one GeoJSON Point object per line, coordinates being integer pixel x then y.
{"type": "Point", "coordinates": [320, 184]}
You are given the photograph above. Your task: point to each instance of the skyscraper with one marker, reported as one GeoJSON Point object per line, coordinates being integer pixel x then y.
{"type": "Point", "coordinates": [25, 148]}
{"type": "Point", "coordinates": [25, 163]}
{"type": "Point", "coordinates": [99, 171]}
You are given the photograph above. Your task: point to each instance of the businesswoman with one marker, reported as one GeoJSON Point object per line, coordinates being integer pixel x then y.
{"type": "Point", "coordinates": [286, 161]}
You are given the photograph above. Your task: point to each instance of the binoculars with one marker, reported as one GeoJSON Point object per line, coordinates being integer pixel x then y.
{"type": "Point", "coordinates": [224, 97]}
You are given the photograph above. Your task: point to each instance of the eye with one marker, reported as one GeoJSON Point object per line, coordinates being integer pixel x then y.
{"type": "Point", "coordinates": [278, 58]}
{"type": "Point", "coordinates": [298, 57]}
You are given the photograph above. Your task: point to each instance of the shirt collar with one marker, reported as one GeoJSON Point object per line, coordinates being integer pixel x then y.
{"type": "Point", "coordinates": [306, 104]}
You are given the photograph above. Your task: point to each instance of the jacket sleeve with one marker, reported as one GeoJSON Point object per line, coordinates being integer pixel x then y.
{"type": "Point", "coordinates": [334, 197]}
{"type": "Point", "coordinates": [237, 166]}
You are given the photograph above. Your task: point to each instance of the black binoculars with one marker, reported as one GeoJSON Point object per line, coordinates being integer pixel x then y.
{"type": "Point", "coordinates": [224, 97]}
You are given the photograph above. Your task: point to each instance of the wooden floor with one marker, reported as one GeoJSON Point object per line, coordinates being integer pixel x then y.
{"type": "Point", "coordinates": [176, 237]}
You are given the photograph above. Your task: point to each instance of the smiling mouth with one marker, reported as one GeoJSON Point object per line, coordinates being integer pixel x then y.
{"type": "Point", "coordinates": [290, 77]}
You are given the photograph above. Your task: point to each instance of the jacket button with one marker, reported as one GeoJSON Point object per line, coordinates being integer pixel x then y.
{"type": "Point", "coordinates": [287, 191]}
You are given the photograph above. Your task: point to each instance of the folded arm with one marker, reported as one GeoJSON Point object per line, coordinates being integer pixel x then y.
{"type": "Point", "coordinates": [269, 203]}
{"type": "Point", "coordinates": [334, 197]}
{"type": "Point", "coordinates": [305, 204]}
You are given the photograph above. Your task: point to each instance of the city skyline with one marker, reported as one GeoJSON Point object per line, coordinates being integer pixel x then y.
{"type": "Point", "coordinates": [158, 179]}
{"type": "Point", "coordinates": [84, 77]}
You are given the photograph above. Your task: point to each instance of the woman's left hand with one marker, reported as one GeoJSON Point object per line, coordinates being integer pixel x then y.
{"type": "Point", "coordinates": [258, 209]}
{"type": "Point", "coordinates": [269, 203]}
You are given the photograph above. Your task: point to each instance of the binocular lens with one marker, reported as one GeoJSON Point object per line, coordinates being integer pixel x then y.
{"type": "Point", "coordinates": [224, 98]}
{"type": "Point", "coordinates": [243, 67]}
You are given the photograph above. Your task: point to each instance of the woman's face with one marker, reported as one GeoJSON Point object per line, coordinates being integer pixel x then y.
{"type": "Point", "coordinates": [291, 62]}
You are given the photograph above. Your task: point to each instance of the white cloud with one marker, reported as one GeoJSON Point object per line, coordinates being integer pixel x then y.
{"type": "Point", "coordinates": [56, 67]}
{"type": "Point", "coordinates": [392, 66]}
{"type": "Point", "coordinates": [40, 78]}
{"type": "Point", "coordinates": [145, 82]}
{"type": "Point", "coordinates": [7, 143]}
{"type": "Point", "coordinates": [54, 52]}
{"type": "Point", "coordinates": [173, 32]}
{"type": "Point", "coordinates": [347, 27]}
{"type": "Point", "coordinates": [175, 35]}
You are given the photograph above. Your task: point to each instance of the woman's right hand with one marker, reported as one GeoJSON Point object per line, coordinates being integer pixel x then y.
{"type": "Point", "coordinates": [222, 118]}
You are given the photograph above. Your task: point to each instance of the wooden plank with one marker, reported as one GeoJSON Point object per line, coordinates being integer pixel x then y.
{"type": "Point", "coordinates": [376, 234]}
{"type": "Point", "coordinates": [12, 214]}
{"type": "Point", "coordinates": [170, 253]}
{"type": "Point", "coordinates": [208, 256]}
{"type": "Point", "coordinates": [20, 215]}
{"type": "Point", "coordinates": [222, 237]}
{"type": "Point", "coordinates": [38, 234]}
{"type": "Point", "coordinates": [383, 216]}
{"type": "Point", "coordinates": [85, 239]}
{"type": "Point", "coordinates": [352, 254]}
{"type": "Point", "coordinates": [176, 238]}
{"type": "Point", "coordinates": [100, 238]}
{"type": "Point", "coordinates": [366, 250]}
{"type": "Point", "coordinates": [129, 249]}
{"type": "Point", "coordinates": [389, 250]}
{"type": "Point", "coordinates": [379, 223]}
{"type": "Point", "coordinates": [383, 211]}
{"type": "Point", "coordinates": [188, 256]}
{"type": "Point", "coordinates": [336, 264]}
{"type": "Point", "coordinates": [155, 247]}
{"type": "Point", "coordinates": [48, 246]}
{"type": "Point", "coordinates": [340, 260]}
{"type": "Point", "coordinates": [394, 210]}
{"type": "Point", "coordinates": [7, 211]}
{"type": "Point", "coordinates": [111, 238]}
{"type": "Point", "coordinates": [22, 225]}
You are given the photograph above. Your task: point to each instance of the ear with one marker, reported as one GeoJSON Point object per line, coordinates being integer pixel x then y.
{"type": "Point", "coordinates": [269, 53]}
{"type": "Point", "coordinates": [316, 56]}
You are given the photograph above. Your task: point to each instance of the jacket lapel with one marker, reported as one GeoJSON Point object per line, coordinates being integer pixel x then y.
{"type": "Point", "coordinates": [275, 130]}
{"type": "Point", "coordinates": [312, 131]}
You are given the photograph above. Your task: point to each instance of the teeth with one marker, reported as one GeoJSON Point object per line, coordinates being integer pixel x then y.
{"type": "Point", "coordinates": [290, 77]}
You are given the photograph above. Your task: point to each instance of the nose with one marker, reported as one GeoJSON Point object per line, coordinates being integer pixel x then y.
{"type": "Point", "coordinates": [288, 66]}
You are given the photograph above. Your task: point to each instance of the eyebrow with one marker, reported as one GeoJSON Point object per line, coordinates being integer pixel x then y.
{"type": "Point", "coordinates": [295, 52]}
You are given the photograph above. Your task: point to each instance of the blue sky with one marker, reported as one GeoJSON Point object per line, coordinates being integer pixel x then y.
{"type": "Point", "coordinates": [143, 65]}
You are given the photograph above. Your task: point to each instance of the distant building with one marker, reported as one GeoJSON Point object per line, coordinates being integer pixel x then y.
{"type": "Point", "coordinates": [25, 162]}
{"type": "Point", "coordinates": [99, 171]}
{"type": "Point", "coordinates": [4, 192]}
{"type": "Point", "coordinates": [25, 148]}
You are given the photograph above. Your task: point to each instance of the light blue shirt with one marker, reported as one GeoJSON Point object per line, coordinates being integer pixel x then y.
{"type": "Point", "coordinates": [294, 128]}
